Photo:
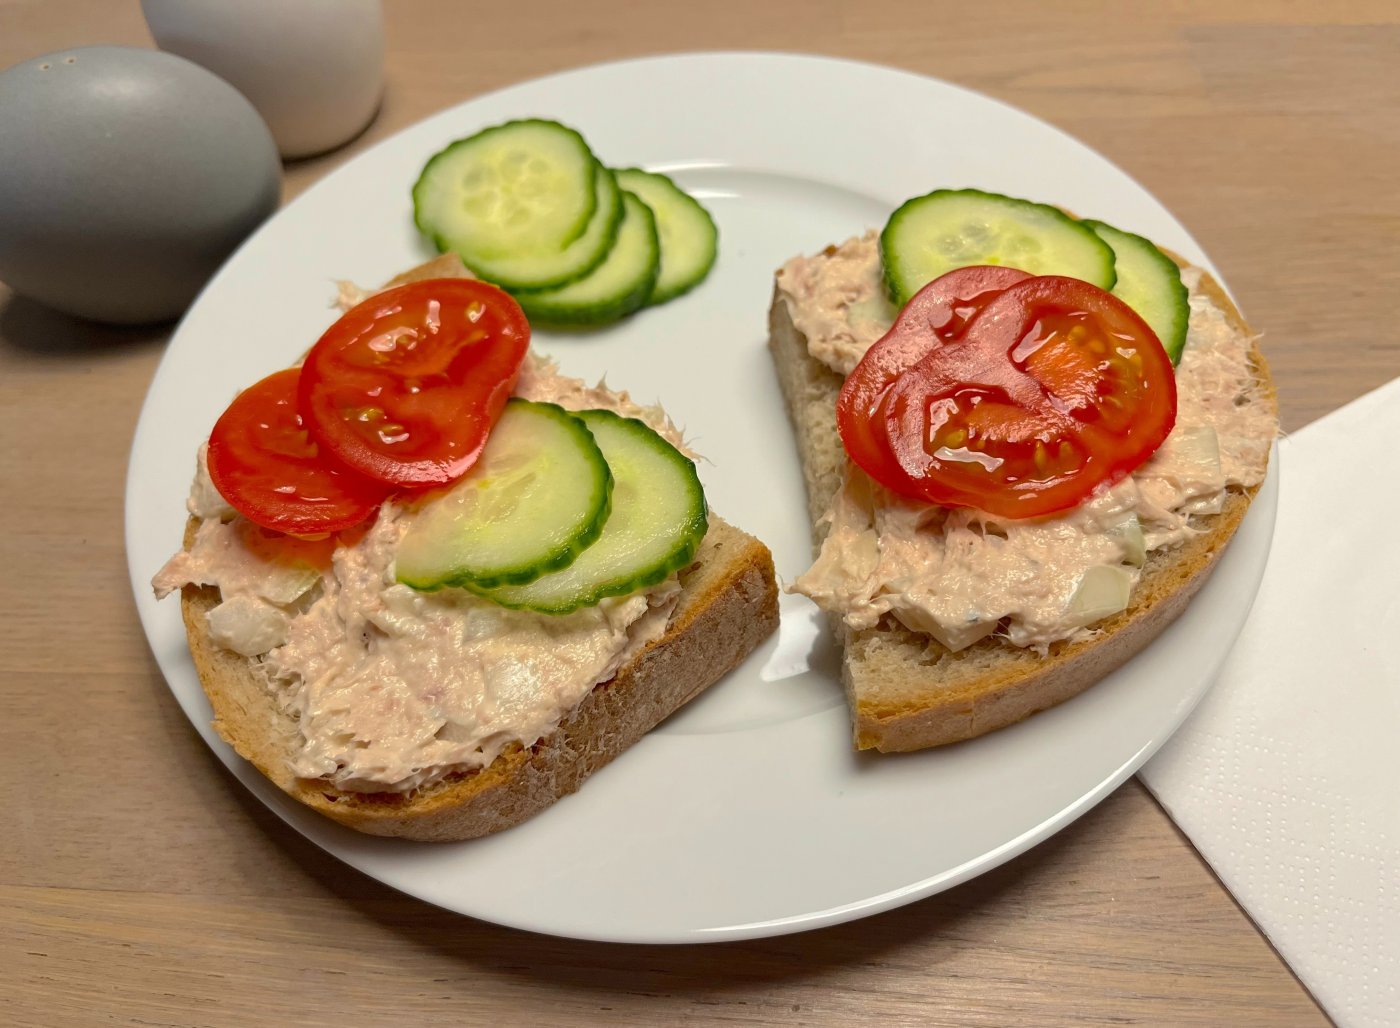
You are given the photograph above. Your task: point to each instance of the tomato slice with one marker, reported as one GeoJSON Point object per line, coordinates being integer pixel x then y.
{"type": "Point", "coordinates": [264, 463]}
{"type": "Point", "coordinates": [935, 314]}
{"type": "Point", "coordinates": [405, 387]}
{"type": "Point", "coordinates": [1053, 388]}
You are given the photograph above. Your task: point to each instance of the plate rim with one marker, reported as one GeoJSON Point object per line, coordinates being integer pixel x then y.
{"type": "Point", "coordinates": [327, 836]}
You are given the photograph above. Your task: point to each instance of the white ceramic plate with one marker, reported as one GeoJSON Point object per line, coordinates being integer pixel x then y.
{"type": "Point", "coordinates": [747, 814]}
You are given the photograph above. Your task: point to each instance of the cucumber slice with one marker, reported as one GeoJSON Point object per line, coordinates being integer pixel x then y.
{"type": "Point", "coordinates": [613, 289]}
{"type": "Point", "coordinates": [541, 270]}
{"type": "Point", "coordinates": [953, 228]}
{"type": "Point", "coordinates": [657, 523]}
{"type": "Point", "coordinates": [1150, 283]}
{"type": "Point", "coordinates": [524, 184]}
{"type": "Point", "coordinates": [525, 204]}
{"type": "Point", "coordinates": [689, 238]}
{"type": "Point", "coordinates": [538, 495]}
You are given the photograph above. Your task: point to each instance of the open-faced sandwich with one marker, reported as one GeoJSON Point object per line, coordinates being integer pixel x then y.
{"type": "Point", "coordinates": [430, 584]}
{"type": "Point", "coordinates": [1026, 440]}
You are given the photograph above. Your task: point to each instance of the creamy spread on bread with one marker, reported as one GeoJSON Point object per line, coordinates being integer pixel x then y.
{"type": "Point", "coordinates": [393, 688]}
{"type": "Point", "coordinates": [959, 574]}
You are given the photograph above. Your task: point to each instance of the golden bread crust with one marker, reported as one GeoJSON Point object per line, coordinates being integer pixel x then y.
{"type": "Point", "coordinates": [728, 605]}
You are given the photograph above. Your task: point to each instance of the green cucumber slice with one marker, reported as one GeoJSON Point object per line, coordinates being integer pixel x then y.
{"type": "Point", "coordinates": [524, 184]}
{"type": "Point", "coordinates": [613, 289]}
{"type": "Point", "coordinates": [657, 522]}
{"type": "Point", "coordinates": [689, 237]}
{"type": "Point", "coordinates": [1150, 283]}
{"type": "Point", "coordinates": [525, 204]}
{"type": "Point", "coordinates": [953, 228]}
{"type": "Point", "coordinates": [541, 270]}
{"type": "Point", "coordinates": [538, 495]}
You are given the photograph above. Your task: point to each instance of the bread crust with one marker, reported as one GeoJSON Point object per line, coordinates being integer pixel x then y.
{"type": "Point", "coordinates": [908, 692]}
{"type": "Point", "coordinates": [728, 605]}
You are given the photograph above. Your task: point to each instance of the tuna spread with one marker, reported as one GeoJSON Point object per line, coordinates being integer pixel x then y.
{"type": "Point", "coordinates": [393, 688]}
{"type": "Point", "coordinates": [960, 575]}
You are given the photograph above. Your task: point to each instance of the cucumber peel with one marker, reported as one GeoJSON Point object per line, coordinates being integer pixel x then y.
{"type": "Point", "coordinates": [688, 235]}
{"type": "Point", "coordinates": [525, 204]}
{"type": "Point", "coordinates": [615, 288]}
{"type": "Point", "coordinates": [539, 494]}
{"type": "Point", "coordinates": [946, 229]}
{"type": "Point", "coordinates": [1150, 283]}
{"type": "Point", "coordinates": [658, 520]}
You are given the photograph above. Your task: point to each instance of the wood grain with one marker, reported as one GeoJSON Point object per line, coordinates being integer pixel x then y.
{"type": "Point", "coordinates": [139, 884]}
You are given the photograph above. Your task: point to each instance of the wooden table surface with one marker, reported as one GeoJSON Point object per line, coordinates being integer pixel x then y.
{"type": "Point", "coordinates": [140, 884]}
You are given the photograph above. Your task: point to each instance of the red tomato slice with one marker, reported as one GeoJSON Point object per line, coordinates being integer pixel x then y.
{"type": "Point", "coordinates": [935, 314]}
{"type": "Point", "coordinates": [264, 463]}
{"type": "Point", "coordinates": [1054, 388]}
{"type": "Point", "coordinates": [405, 387]}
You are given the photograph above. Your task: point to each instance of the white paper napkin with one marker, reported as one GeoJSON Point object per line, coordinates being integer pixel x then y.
{"type": "Point", "coordinates": [1287, 777]}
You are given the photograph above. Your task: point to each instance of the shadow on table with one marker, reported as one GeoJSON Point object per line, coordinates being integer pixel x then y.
{"type": "Point", "coordinates": [29, 328]}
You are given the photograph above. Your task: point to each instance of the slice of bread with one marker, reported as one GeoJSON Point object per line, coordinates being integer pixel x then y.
{"type": "Point", "coordinates": [905, 690]}
{"type": "Point", "coordinates": [728, 605]}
